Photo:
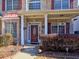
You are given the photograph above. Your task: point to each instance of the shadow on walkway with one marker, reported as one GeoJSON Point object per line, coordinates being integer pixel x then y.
{"type": "Point", "coordinates": [32, 50]}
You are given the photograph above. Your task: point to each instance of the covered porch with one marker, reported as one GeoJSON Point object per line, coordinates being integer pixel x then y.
{"type": "Point", "coordinates": [47, 22]}
{"type": "Point", "coordinates": [31, 24]}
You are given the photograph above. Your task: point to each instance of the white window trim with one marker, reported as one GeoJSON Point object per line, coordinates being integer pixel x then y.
{"type": "Point", "coordinates": [27, 5]}
{"type": "Point", "coordinates": [12, 5]}
{"type": "Point", "coordinates": [61, 4]}
{"type": "Point", "coordinates": [69, 4]}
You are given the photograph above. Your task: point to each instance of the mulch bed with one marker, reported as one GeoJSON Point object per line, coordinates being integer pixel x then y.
{"type": "Point", "coordinates": [57, 55]}
{"type": "Point", "coordinates": [8, 51]}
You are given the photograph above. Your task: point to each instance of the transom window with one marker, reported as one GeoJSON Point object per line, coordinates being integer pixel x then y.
{"type": "Point", "coordinates": [61, 4]}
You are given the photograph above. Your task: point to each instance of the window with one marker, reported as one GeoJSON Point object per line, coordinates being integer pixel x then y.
{"type": "Point", "coordinates": [61, 29]}
{"type": "Point", "coordinates": [58, 29]}
{"type": "Point", "coordinates": [13, 4]}
{"type": "Point", "coordinates": [57, 4]}
{"type": "Point", "coordinates": [34, 4]}
{"type": "Point", "coordinates": [76, 32]}
{"type": "Point", "coordinates": [11, 27]}
{"type": "Point", "coordinates": [61, 4]}
{"type": "Point", "coordinates": [54, 29]}
{"type": "Point", "coordinates": [65, 4]}
{"type": "Point", "coordinates": [9, 4]}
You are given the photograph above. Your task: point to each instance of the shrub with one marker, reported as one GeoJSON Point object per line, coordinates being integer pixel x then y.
{"type": "Point", "coordinates": [8, 39]}
{"type": "Point", "coordinates": [1, 40]}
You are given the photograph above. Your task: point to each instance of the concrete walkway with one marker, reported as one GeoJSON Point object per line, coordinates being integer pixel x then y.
{"type": "Point", "coordinates": [27, 52]}
{"type": "Point", "coordinates": [21, 55]}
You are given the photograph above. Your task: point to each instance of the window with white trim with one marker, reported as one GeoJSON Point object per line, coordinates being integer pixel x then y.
{"type": "Point", "coordinates": [13, 5]}
{"type": "Point", "coordinates": [61, 4]}
{"type": "Point", "coordinates": [57, 28]}
{"type": "Point", "coordinates": [34, 5]}
{"type": "Point", "coordinates": [9, 4]}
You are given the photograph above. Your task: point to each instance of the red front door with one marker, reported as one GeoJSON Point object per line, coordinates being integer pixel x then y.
{"type": "Point", "coordinates": [34, 33]}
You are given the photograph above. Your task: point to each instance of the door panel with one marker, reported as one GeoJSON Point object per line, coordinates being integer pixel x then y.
{"type": "Point", "coordinates": [34, 33]}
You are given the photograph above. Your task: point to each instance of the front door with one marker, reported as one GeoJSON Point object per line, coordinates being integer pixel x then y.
{"type": "Point", "coordinates": [34, 33]}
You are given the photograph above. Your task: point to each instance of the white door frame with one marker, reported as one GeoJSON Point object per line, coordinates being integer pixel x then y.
{"type": "Point", "coordinates": [39, 27]}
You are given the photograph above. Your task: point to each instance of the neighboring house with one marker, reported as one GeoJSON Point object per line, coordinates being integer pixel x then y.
{"type": "Point", "coordinates": [26, 19]}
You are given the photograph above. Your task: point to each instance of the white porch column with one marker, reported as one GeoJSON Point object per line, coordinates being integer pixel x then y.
{"type": "Point", "coordinates": [3, 28]}
{"type": "Point", "coordinates": [71, 27]}
{"type": "Point", "coordinates": [22, 30]}
{"type": "Point", "coordinates": [46, 24]}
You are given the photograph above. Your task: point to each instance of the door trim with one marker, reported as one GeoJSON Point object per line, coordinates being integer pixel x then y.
{"type": "Point", "coordinates": [39, 28]}
{"type": "Point", "coordinates": [31, 33]}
